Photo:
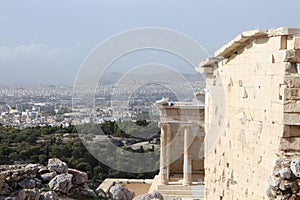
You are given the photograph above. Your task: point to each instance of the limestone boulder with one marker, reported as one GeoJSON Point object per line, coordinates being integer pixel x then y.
{"type": "Point", "coordinates": [274, 181]}
{"type": "Point", "coordinates": [88, 192]}
{"type": "Point", "coordinates": [5, 189]}
{"type": "Point", "coordinates": [285, 173]}
{"type": "Point", "coordinates": [56, 165]}
{"type": "Point", "coordinates": [271, 193]}
{"type": "Point", "coordinates": [61, 183]}
{"type": "Point", "coordinates": [48, 196]}
{"type": "Point", "coordinates": [101, 193]}
{"type": "Point", "coordinates": [152, 195]}
{"type": "Point", "coordinates": [27, 184]}
{"type": "Point", "coordinates": [295, 167]}
{"type": "Point", "coordinates": [31, 170]}
{"type": "Point", "coordinates": [22, 195]}
{"type": "Point", "coordinates": [43, 170]}
{"type": "Point", "coordinates": [29, 194]}
{"type": "Point", "coordinates": [10, 198]}
{"type": "Point", "coordinates": [35, 167]}
{"type": "Point", "coordinates": [79, 177]}
{"type": "Point", "coordinates": [119, 192]}
{"type": "Point", "coordinates": [25, 181]}
{"type": "Point", "coordinates": [48, 176]}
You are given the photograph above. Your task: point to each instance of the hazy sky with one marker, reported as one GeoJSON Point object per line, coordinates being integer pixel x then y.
{"type": "Point", "coordinates": [46, 41]}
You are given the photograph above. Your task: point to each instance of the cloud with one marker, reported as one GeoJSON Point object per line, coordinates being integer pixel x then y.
{"type": "Point", "coordinates": [39, 63]}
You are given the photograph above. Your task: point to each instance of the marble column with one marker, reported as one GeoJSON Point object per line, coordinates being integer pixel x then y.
{"type": "Point", "coordinates": [187, 158]}
{"type": "Point", "coordinates": [168, 149]}
{"type": "Point", "coordinates": [163, 154]}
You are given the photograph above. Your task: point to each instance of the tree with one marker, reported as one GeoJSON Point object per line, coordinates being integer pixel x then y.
{"type": "Point", "coordinates": [142, 122]}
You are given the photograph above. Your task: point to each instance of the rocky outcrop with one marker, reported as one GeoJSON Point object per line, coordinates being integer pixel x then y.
{"type": "Point", "coordinates": [48, 176]}
{"type": "Point", "coordinates": [295, 167]}
{"type": "Point", "coordinates": [28, 181]}
{"type": "Point", "coordinates": [48, 196]}
{"type": "Point", "coordinates": [284, 183]}
{"type": "Point", "coordinates": [88, 192]}
{"type": "Point", "coordinates": [79, 177]}
{"type": "Point", "coordinates": [29, 194]}
{"type": "Point", "coordinates": [149, 196]}
{"type": "Point", "coordinates": [61, 183]}
{"type": "Point", "coordinates": [56, 165]}
{"type": "Point", "coordinates": [27, 184]}
{"type": "Point", "coordinates": [119, 192]}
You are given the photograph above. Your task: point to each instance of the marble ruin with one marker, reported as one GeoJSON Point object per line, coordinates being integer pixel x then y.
{"type": "Point", "coordinates": [252, 120]}
{"type": "Point", "coordinates": [249, 124]}
{"type": "Point", "coordinates": [182, 153]}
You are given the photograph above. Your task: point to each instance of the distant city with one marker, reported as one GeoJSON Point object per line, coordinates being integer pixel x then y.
{"type": "Point", "coordinates": [51, 105]}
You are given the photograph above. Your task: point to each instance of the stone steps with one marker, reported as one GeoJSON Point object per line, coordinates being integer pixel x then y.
{"type": "Point", "coordinates": [181, 197]}
{"type": "Point", "coordinates": [183, 192]}
{"type": "Point", "coordinates": [181, 187]}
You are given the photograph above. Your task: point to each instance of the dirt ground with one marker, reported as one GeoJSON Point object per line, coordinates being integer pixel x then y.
{"type": "Point", "coordinates": [137, 188]}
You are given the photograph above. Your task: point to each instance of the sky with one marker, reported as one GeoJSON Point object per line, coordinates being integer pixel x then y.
{"type": "Point", "coordinates": [45, 42]}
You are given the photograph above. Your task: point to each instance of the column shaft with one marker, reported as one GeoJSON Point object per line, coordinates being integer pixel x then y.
{"type": "Point", "coordinates": [168, 149]}
{"type": "Point", "coordinates": [187, 158]}
{"type": "Point", "coordinates": [163, 164]}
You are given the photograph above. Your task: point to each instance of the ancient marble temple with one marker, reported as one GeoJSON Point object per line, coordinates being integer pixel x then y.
{"type": "Point", "coordinates": [182, 149]}
{"type": "Point", "coordinates": [252, 123]}
{"type": "Point", "coordinates": [244, 141]}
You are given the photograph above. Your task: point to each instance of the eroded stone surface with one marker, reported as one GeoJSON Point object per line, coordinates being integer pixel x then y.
{"type": "Point", "coordinates": [57, 165]}
{"type": "Point", "coordinates": [27, 184]}
{"type": "Point", "coordinates": [61, 183]}
{"type": "Point", "coordinates": [258, 82]}
{"type": "Point", "coordinates": [119, 192]}
{"type": "Point", "coordinates": [29, 194]}
{"type": "Point", "coordinates": [152, 195]}
{"type": "Point", "coordinates": [48, 196]}
{"type": "Point", "coordinates": [295, 167]}
{"type": "Point", "coordinates": [79, 177]}
{"type": "Point", "coordinates": [284, 184]}
{"type": "Point", "coordinates": [285, 173]}
{"type": "Point", "coordinates": [88, 192]}
{"type": "Point", "coordinates": [48, 176]}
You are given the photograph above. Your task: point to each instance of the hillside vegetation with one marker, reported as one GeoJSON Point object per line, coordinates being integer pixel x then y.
{"type": "Point", "coordinates": [38, 144]}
